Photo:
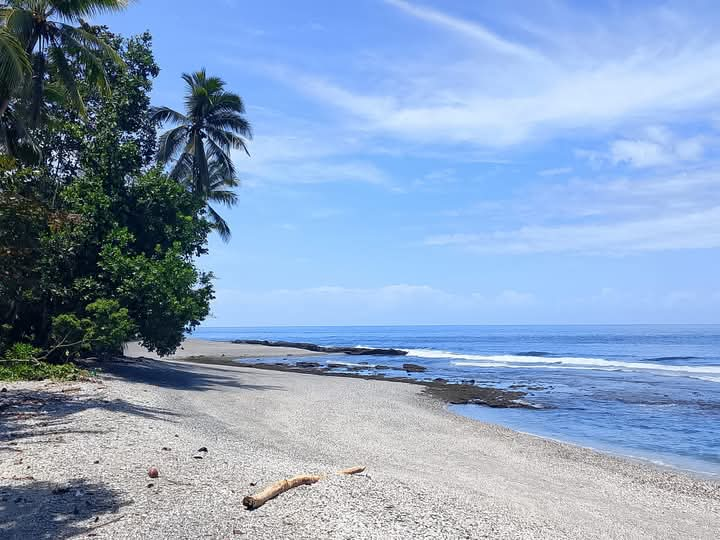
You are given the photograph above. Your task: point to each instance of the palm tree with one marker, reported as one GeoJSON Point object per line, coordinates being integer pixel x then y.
{"type": "Point", "coordinates": [14, 62]}
{"type": "Point", "coordinates": [211, 126]}
{"type": "Point", "coordinates": [220, 190]}
{"type": "Point", "coordinates": [51, 32]}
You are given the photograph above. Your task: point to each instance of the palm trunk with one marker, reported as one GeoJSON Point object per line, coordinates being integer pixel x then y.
{"type": "Point", "coordinates": [4, 104]}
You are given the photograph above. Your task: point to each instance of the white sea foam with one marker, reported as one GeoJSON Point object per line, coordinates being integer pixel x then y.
{"type": "Point", "coordinates": [514, 361]}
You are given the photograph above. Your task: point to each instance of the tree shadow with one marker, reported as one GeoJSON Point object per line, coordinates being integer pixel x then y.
{"type": "Point", "coordinates": [45, 416]}
{"type": "Point", "coordinates": [57, 510]}
{"type": "Point", "coordinates": [178, 376]}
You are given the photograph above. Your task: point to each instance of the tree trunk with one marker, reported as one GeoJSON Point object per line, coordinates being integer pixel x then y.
{"type": "Point", "coordinates": [4, 104]}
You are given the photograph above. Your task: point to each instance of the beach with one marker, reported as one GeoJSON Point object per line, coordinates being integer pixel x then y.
{"type": "Point", "coordinates": [76, 456]}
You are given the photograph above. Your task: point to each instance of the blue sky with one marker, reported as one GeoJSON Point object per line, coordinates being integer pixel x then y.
{"type": "Point", "coordinates": [456, 162]}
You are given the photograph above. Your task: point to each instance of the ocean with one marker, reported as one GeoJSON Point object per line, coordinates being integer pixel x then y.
{"type": "Point", "coordinates": [650, 392]}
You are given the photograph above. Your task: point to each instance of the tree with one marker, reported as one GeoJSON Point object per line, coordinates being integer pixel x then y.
{"type": "Point", "coordinates": [47, 43]}
{"type": "Point", "coordinates": [200, 143]}
{"type": "Point", "coordinates": [97, 228]}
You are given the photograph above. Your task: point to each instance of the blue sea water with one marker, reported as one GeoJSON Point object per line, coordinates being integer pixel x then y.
{"type": "Point", "coordinates": [646, 391]}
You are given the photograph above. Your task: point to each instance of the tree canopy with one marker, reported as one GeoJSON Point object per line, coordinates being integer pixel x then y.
{"type": "Point", "coordinates": [98, 242]}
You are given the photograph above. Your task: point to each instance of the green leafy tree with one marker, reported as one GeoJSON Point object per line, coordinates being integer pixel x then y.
{"type": "Point", "coordinates": [202, 138]}
{"type": "Point", "coordinates": [98, 228]}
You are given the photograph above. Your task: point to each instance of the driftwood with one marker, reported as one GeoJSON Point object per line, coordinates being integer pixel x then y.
{"type": "Point", "coordinates": [251, 502]}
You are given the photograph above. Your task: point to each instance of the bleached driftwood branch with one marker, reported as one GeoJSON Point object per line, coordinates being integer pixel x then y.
{"type": "Point", "coordinates": [251, 502]}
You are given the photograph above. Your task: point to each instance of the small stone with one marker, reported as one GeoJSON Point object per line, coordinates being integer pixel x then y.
{"type": "Point", "coordinates": [153, 472]}
{"type": "Point", "coordinates": [203, 449]}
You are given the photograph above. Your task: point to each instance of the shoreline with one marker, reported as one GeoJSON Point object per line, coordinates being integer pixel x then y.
{"type": "Point", "coordinates": [449, 393]}
{"type": "Point", "coordinates": [430, 472]}
{"type": "Point", "coordinates": [220, 353]}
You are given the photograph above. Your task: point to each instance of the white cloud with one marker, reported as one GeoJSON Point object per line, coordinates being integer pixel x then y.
{"type": "Point", "coordinates": [698, 230]}
{"type": "Point", "coordinates": [557, 171]}
{"type": "Point", "coordinates": [466, 28]}
{"type": "Point", "coordinates": [506, 93]}
{"type": "Point", "coordinates": [621, 216]}
{"type": "Point", "coordinates": [658, 147]}
{"type": "Point", "coordinates": [305, 159]}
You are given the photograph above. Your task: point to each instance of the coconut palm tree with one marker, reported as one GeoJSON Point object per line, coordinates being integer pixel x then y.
{"type": "Point", "coordinates": [211, 126]}
{"type": "Point", "coordinates": [51, 32]}
{"type": "Point", "coordinates": [220, 190]}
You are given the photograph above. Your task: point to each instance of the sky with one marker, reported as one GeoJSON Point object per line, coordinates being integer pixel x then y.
{"type": "Point", "coordinates": [458, 162]}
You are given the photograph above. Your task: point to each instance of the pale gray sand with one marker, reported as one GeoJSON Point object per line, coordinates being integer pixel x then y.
{"type": "Point", "coordinates": [430, 474]}
{"type": "Point", "coordinates": [201, 347]}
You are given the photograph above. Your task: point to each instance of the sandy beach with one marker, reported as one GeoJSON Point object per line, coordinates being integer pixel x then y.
{"type": "Point", "coordinates": [75, 458]}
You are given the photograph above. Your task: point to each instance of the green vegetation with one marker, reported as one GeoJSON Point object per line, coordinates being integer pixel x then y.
{"type": "Point", "coordinates": [38, 371]}
{"type": "Point", "coordinates": [20, 364]}
{"type": "Point", "coordinates": [98, 240]}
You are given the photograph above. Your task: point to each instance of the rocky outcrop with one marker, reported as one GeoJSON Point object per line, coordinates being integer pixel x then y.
{"type": "Point", "coordinates": [359, 351]}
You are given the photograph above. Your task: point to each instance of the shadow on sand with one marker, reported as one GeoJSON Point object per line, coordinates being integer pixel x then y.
{"type": "Point", "coordinates": [51, 510]}
{"type": "Point", "coordinates": [178, 376]}
{"type": "Point", "coordinates": [49, 412]}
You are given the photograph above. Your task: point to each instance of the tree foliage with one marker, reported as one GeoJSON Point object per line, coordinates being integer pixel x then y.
{"type": "Point", "coordinates": [97, 242]}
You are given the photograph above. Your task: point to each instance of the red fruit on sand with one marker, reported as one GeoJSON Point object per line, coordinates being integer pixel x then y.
{"type": "Point", "coordinates": [153, 472]}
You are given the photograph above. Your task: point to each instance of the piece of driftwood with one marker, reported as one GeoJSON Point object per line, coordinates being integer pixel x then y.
{"type": "Point", "coordinates": [251, 502]}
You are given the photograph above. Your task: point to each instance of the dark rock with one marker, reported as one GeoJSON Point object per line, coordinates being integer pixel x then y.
{"type": "Point", "coordinates": [333, 365]}
{"type": "Point", "coordinates": [414, 368]}
{"type": "Point", "coordinates": [203, 449]}
{"type": "Point", "coordinates": [440, 380]}
{"type": "Point", "coordinates": [307, 364]}
{"type": "Point", "coordinates": [319, 348]}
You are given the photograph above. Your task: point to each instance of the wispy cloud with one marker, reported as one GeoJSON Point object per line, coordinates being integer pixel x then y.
{"type": "Point", "coordinates": [470, 29]}
{"type": "Point", "coordinates": [306, 159]}
{"type": "Point", "coordinates": [655, 146]}
{"type": "Point", "coordinates": [621, 216]}
{"type": "Point", "coordinates": [508, 93]}
{"type": "Point", "coordinates": [697, 230]}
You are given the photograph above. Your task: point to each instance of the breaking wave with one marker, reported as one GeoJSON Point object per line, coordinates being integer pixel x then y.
{"type": "Point", "coordinates": [569, 362]}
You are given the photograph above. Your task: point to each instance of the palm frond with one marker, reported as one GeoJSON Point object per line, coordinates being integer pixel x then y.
{"type": "Point", "coordinates": [14, 62]}
{"type": "Point", "coordinates": [182, 171]}
{"type": "Point", "coordinates": [169, 144]}
{"type": "Point", "coordinates": [75, 9]}
{"type": "Point", "coordinates": [66, 76]}
{"type": "Point", "coordinates": [230, 121]}
{"type": "Point", "coordinates": [164, 115]}
{"type": "Point", "coordinates": [19, 22]}
{"type": "Point", "coordinates": [223, 196]}
{"type": "Point", "coordinates": [219, 224]}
